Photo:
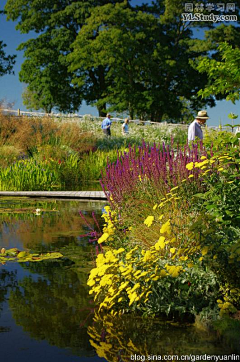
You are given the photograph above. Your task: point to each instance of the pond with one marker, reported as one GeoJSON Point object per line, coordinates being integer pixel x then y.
{"type": "Point", "coordinates": [46, 313]}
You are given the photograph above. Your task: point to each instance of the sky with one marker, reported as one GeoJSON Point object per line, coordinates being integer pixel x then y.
{"type": "Point", "coordinates": [11, 88]}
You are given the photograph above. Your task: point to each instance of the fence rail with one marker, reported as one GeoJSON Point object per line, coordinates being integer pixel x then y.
{"type": "Point", "coordinates": [20, 113]}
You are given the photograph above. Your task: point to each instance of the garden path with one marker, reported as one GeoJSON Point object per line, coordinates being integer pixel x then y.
{"type": "Point", "coordinates": [88, 195]}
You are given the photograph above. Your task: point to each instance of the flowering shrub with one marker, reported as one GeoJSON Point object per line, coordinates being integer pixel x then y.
{"type": "Point", "coordinates": [148, 168]}
{"type": "Point", "coordinates": [153, 280]}
{"type": "Point", "coordinates": [180, 254]}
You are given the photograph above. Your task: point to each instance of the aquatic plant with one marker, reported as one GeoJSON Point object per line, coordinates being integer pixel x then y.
{"type": "Point", "coordinates": [25, 256]}
{"type": "Point", "coordinates": [30, 175]}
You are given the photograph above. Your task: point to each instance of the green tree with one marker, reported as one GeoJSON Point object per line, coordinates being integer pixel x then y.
{"type": "Point", "coordinates": [45, 72]}
{"type": "Point", "coordinates": [144, 62]}
{"type": "Point", "coordinates": [6, 61]}
{"type": "Point", "coordinates": [111, 55]}
{"type": "Point", "coordinates": [45, 69]}
{"type": "Point", "coordinates": [223, 74]}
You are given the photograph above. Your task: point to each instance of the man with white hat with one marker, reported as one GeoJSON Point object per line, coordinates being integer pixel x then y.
{"type": "Point", "coordinates": [195, 130]}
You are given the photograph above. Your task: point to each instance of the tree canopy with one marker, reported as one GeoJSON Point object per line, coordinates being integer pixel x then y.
{"type": "Point", "coordinates": [139, 60]}
{"type": "Point", "coordinates": [45, 68]}
{"type": "Point", "coordinates": [141, 63]}
{"type": "Point", "coordinates": [224, 75]}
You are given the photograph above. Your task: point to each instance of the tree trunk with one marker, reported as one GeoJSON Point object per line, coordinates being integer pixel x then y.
{"type": "Point", "coordinates": [130, 111]}
{"type": "Point", "coordinates": [156, 116]}
{"type": "Point", "coordinates": [102, 110]}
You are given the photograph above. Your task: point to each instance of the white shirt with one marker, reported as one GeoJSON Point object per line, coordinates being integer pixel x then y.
{"type": "Point", "coordinates": [194, 130]}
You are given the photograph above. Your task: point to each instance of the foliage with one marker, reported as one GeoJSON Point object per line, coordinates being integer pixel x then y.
{"type": "Point", "coordinates": [125, 45]}
{"type": "Point", "coordinates": [33, 134]}
{"type": "Point", "coordinates": [224, 75]}
{"type": "Point", "coordinates": [92, 164]}
{"type": "Point", "coordinates": [219, 140]}
{"type": "Point", "coordinates": [6, 61]}
{"type": "Point", "coordinates": [220, 205]}
{"type": "Point", "coordinates": [108, 47]}
{"type": "Point", "coordinates": [9, 154]}
{"type": "Point", "coordinates": [45, 68]}
{"type": "Point", "coordinates": [29, 175]}
{"type": "Point", "coordinates": [151, 133]}
{"type": "Point", "coordinates": [32, 174]}
{"type": "Point", "coordinates": [45, 72]}
{"type": "Point", "coordinates": [78, 146]}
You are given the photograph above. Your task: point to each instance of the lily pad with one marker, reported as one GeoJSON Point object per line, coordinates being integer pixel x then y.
{"type": "Point", "coordinates": [24, 256]}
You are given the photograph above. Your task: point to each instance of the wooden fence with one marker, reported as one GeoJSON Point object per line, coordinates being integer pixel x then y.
{"type": "Point", "coordinates": [20, 113]}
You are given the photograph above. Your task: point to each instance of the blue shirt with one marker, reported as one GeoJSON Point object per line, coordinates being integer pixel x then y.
{"type": "Point", "coordinates": [105, 123]}
{"type": "Point", "coordinates": [194, 130]}
{"type": "Point", "coordinates": [125, 128]}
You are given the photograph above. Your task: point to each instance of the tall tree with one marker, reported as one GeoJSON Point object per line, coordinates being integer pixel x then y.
{"type": "Point", "coordinates": [144, 62]}
{"type": "Point", "coordinates": [45, 72]}
{"type": "Point", "coordinates": [45, 69]}
{"type": "Point", "coordinates": [136, 59]}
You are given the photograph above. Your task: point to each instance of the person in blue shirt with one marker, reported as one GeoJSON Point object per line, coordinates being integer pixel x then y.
{"type": "Point", "coordinates": [195, 130]}
{"type": "Point", "coordinates": [106, 125]}
{"type": "Point", "coordinates": [125, 129]}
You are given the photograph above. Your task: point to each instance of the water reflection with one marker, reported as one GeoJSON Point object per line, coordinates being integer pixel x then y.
{"type": "Point", "coordinates": [49, 300]}
{"type": "Point", "coordinates": [55, 307]}
{"type": "Point", "coordinates": [58, 223]}
{"type": "Point", "coordinates": [129, 338]}
{"type": "Point", "coordinates": [8, 279]}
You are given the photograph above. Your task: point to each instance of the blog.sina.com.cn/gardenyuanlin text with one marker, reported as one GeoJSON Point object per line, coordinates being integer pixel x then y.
{"type": "Point", "coordinates": [190, 357]}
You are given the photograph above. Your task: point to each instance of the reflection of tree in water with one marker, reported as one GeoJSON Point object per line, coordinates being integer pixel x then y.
{"type": "Point", "coordinates": [118, 338]}
{"type": "Point", "coordinates": [57, 222]}
{"type": "Point", "coordinates": [54, 307]}
{"type": "Point", "coordinates": [7, 280]}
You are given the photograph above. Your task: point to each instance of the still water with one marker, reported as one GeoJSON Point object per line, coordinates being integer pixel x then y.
{"type": "Point", "coordinates": [46, 314]}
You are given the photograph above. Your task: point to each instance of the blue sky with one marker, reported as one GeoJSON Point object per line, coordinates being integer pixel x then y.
{"type": "Point", "coordinates": [11, 89]}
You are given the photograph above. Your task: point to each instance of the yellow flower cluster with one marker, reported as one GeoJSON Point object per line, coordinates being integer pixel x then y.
{"type": "Point", "coordinates": [226, 307]}
{"type": "Point", "coordinates": [230, 297]}
{"type": "Point", "coordinates": [128, 276]}
{"type": "Point", "coordinates": [174, 250]}
{"type": "Point", "coordinates": [206, 164]}
{"type": "Point", "coordinates": [110, 218]}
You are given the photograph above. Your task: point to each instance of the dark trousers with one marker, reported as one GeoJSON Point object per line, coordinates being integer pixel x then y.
{"type": "Point", "coordinates": [107, 132]}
